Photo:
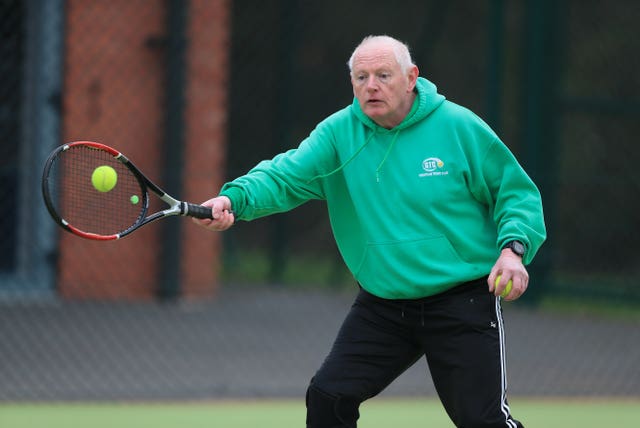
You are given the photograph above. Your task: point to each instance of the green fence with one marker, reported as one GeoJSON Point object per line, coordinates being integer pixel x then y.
{"type": "Point", "coordinates": [558, 80]}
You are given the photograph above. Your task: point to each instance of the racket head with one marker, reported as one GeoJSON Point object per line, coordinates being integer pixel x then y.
{"type": "Point", "coordinates": [82, 209]}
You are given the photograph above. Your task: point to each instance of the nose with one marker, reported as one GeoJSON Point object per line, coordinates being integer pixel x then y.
{"type": "Point", "coordinates": [372, 84]}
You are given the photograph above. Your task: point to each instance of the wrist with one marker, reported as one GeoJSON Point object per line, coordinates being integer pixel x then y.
{"type": "Point", "coordinates": [516, 247]}
{"type": "Point", "coordinates": [234, 196]}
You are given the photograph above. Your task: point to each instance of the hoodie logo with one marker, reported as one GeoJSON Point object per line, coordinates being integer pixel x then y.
{"type": "Point", "coordinates": [433, 167]}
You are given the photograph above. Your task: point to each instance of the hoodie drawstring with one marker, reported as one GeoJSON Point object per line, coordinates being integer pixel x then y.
{"type": "Point", "coordinates": [357, 152]}
{"type": "Point", "coordinates": [386, 155]}
{"type": "Point", "coordinates": [353, 156]}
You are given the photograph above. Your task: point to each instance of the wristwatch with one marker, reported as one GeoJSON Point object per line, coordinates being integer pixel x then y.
{"type": "Point", "coordinates": [516, 246]}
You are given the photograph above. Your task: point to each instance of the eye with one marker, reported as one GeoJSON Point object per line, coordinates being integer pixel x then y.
{"type": "Point", "coordinates": [360, 78]}
{"type": "Point", "coordinates": [384, 76]}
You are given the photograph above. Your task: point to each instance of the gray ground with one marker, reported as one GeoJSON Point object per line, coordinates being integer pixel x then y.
{"type": "Point", "coordinates": [268, 343]}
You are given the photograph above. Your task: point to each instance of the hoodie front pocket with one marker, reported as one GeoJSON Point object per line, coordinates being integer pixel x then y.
{"type": "Point", "coordinates": [404, 263]}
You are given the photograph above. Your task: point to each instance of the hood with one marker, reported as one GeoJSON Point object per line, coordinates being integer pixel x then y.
{"type": "Point", "coordinates": [427, 101]}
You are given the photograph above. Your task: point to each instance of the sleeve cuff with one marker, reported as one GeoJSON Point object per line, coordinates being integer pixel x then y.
{"type": "Point", "coordinates": [236, 196]}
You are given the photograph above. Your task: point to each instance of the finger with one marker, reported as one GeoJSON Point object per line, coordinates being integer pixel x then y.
{"type": "Point", "coordinates": [208, 203]}
{"type": "Point", "coordinates": [223, 221]}
{"type": "Point", "coordinates": [217, 211]}
{"type": "Point", "coordinates": [229, 219]}
{"type": "Point", "coordinates": [205, 222]}
{"type": "Point", "coordinates": [513, 295]}
{"type": "Point", "coordinates": [231, 215]}
{"type": "Point", "coordinates": [517, 290]}
{"type": "Point", "coordinates": [500, 283]}
{"type": "Point", "coordinates": [491, 281]}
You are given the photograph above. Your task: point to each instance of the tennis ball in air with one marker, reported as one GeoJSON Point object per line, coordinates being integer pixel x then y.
{"type": "Point", "coordinates": [104, 178]}
{"type": "Point", "coordinates": [507, 289]}
{"type": "Point", "coordinates": [134, 199]}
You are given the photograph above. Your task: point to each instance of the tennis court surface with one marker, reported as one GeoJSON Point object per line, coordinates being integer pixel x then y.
{"type": "Point", "coordinates": [267, 343]}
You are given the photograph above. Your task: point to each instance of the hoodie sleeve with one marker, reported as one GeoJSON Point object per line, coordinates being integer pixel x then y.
{"type": "Point", "coordinates": [499, 181]}
{"type": "Point", "coordinates": [516, 201]}
{"type": "Point", "coordinates": [286, 181]}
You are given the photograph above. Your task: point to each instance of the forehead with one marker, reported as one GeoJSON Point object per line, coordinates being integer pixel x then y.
{"type": "Point", "coordinates": [374, 56]}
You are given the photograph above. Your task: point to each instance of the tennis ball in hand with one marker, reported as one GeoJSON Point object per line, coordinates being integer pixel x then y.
{"type": "Point", "coordinates": [507, 289]}
{"type": "Point", "coordinates": [104, 178]}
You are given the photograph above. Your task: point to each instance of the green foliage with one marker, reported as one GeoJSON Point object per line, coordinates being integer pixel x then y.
{"type": "Point", "coordinates": [297, 270]}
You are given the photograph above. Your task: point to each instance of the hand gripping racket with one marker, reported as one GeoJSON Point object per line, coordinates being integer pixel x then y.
{"type": "Point", "coordinates": [95, 192]}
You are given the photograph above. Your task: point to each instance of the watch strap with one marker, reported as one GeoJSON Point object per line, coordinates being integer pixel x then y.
{"type": "Point", "coordinates": [517, 247]}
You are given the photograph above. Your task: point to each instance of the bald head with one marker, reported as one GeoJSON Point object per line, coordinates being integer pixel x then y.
{"type": "Point", "coordinates": [400, 50]}
{"type": "Point", "coordinates": [383, 78]}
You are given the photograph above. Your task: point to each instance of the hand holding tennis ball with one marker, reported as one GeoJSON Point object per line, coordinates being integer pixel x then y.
{"type": "Point", "coordinates": [104, 178]}
{"type": "Point", "coordinates": [507, 289]}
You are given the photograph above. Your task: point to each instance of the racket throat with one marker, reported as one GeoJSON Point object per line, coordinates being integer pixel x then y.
{"type": "Point", "coordinates": [184, 208]}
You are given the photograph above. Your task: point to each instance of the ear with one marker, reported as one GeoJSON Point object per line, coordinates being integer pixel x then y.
{"type": "Point", "coordinates": [412, 75]}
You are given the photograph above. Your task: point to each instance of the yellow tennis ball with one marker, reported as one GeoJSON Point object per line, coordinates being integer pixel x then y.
{"type": "Point", "coordinates": [104, 178]}
{"type": "Point", "coordinates": [507, 289]}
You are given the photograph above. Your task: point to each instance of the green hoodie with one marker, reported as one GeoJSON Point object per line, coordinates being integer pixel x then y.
{"type": "Point", "coordinates": [416, 209]}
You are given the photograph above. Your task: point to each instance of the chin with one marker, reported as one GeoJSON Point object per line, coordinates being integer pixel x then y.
{"type": "Point", "coordinates": [375, 113]}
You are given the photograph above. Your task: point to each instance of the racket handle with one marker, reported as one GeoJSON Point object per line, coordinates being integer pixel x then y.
{"type": "Point", "coordinates": [198, 211]}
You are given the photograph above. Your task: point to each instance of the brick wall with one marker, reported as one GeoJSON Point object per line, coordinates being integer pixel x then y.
{"type": "Point", "coordinates": [114, 93]}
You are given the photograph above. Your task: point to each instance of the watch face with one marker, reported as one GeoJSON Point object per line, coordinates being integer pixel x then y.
{"type": "Point", "coordinates": [517, 247]}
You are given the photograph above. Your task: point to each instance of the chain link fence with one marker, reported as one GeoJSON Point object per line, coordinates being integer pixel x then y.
{"type": "Point", "coordinates": [557, 80]}
{"type": "Point", "coordinates": [597, 181]}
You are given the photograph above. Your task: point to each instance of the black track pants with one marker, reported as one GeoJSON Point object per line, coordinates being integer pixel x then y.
{"type": "Point", "coordinates": [460, 332]}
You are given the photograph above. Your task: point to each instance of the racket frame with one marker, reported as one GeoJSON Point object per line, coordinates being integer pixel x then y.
{"type": "Point", "coordinates": [176, 207]}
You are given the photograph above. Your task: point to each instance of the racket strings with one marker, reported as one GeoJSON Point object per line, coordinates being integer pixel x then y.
{"type": "Point", "coordinates": [82, 205]}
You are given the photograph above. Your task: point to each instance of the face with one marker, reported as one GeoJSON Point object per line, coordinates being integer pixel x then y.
{"type": "Point", "coordinates": [384, 92]}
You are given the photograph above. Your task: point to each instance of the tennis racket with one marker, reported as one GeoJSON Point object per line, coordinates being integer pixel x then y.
{"type": "Point", "coordinates": [95, 192]}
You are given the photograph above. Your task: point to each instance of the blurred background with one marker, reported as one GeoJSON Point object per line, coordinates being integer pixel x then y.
{"type": "Point", "coordinates": [196, 92]}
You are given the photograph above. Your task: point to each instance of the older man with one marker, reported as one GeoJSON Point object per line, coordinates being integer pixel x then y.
{"type": "Point", "coordinates": [428, 208]}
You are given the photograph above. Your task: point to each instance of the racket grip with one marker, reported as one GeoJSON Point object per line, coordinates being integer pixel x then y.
{"type": "Point", "coordinates": [198, 211]}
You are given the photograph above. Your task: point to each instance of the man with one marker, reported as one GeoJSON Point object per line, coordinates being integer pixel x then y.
{"type": "Point", "coordinates": [428, 207]}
